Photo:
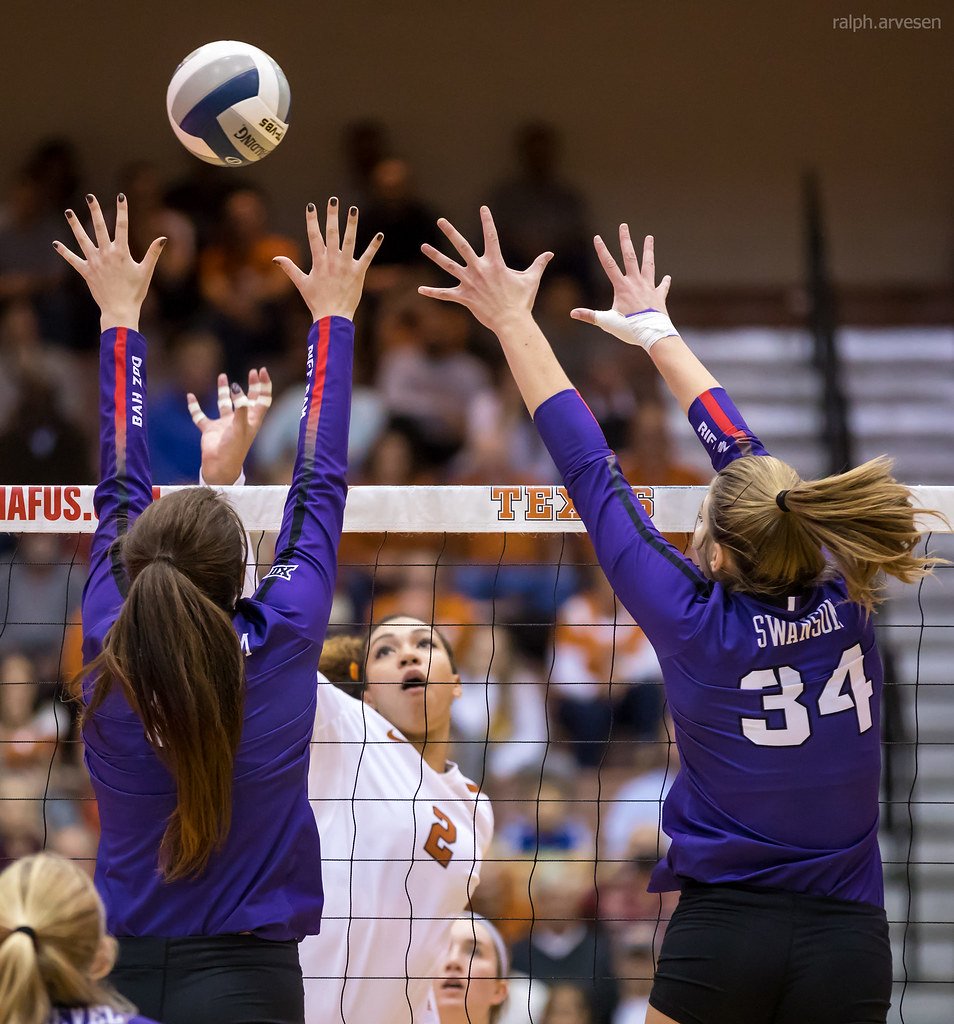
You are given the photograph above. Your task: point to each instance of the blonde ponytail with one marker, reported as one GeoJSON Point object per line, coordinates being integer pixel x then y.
{"type": "Point", "coordinates": [784, 533]}
{"type": "Point", "coordinates": [50, 963]}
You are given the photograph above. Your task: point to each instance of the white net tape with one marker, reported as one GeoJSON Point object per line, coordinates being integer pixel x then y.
{"type": "Point", "coordinates": [508, 508]}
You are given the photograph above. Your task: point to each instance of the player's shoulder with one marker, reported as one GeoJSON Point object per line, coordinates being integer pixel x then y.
{"type": "Point", "coordinates": [345, 715]}
{"type": "Point", "coordinates": [468, 792]}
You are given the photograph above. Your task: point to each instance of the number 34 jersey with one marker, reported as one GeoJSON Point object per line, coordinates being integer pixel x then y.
{"type": "Point", "coordinates": [401, 848]}
{"type": "Point", "coordinates": [775, 703]}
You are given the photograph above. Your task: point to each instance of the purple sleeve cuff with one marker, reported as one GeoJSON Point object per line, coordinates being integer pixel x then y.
{"type": "Point", "coordinates": [720, 427]}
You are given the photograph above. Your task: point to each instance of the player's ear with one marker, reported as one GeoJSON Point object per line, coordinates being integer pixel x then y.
{"type": "Point", "coordinates": [105, 958]}
{"type": "Point", "coordinates": [458, 687]}
{"type": "Point", "coordinates": [503, 990]}
{"type": "Point", "coordinates": [716, 557]}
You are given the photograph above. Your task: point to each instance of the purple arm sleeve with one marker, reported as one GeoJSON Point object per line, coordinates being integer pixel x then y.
{"type": "Point", "coordinates": [301, 582]}
{"type": "Point", "coordinates": [660, 588]}
{"type": "Point", "coordinates": [721, 429]}
{"type": "Point", "coordinates": [125, 487]}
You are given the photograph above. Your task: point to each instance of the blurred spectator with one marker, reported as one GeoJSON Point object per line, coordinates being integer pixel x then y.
{"type": "Point", "coordinates": [41, 581]}
{"type": "Point", "coordinates": [394, 207]}
{"type": "Point", "coordinates": [624, 898]}
{"type": "Point", "coordinates": [501, 444]}
{"type": "Point", "coordinates": [195, 359]}
{"type": "Point", "coordinates": [173, 296]}
{"type": "Point", "coordinates": [429, 379]}
{"type": "Point", "coordinates": [28, 726]}
{"type": "Point", "coordinates": [40, 445]}
{"type": "Point", "coordinates": [21, 817]}
{"type": "Point", "coordinates": [242, 285]}
{"type": "Point", "coordinates": [567, 1004]}
{"type": "Point", "coordinates": [637, 805]}
{"type": "Point", "coordinates": [420, 589]}
{"type": "Point", "coordinates": [54, 165]}
{"type": "Point", "coordinates": [545, 819]}
{"type": "Point", "coordinates": [364, 145]}
{"type": "Point", "coordinates": [576, 344]}
{"type": "Point", "coordinates": [562, 945]}
{"type": "Point", "coordinates": [273, 456]}
{"type": "Point", "coordinates": [40, 406]}
{"type": "Point", "coordinates": [30, 269]}
{"type": "Point", "coordinates": [199, 195]}
{"type": "Point", "coordinates": [635, 968]}
{"type": "Point", "coordinates": [500, 718]}
{"type": "Point", "coordinates": [605, 673]}
{"type": "Point", "coordinates": [540, 210]}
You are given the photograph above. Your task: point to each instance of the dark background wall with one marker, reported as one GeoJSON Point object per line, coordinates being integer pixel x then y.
{"type": "Point", "coordinates": [693, 121]}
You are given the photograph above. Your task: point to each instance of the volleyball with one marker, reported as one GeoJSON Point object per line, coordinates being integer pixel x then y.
{"type": "Point", "coordinates": [228, 103]}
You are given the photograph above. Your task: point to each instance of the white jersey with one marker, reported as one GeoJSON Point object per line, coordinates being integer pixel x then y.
{"type": "Point", "coordinates": [401, 846]}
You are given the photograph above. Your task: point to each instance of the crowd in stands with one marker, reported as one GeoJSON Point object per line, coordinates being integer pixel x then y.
{"type": "Point", "coordinates": [562, 715]}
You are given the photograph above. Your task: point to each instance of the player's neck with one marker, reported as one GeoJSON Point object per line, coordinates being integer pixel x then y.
{"type": "Point", "coordinates": [434, 750]}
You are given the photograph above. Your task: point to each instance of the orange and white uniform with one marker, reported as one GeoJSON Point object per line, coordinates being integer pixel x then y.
{"type": "Point", "coordinates": [401, 848]}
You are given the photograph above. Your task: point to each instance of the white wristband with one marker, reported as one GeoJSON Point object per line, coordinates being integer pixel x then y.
{"type": "Point", "coordinates": [644, 328]}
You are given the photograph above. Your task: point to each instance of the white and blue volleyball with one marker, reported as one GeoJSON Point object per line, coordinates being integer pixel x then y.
{"type": "Point", "coordinates": [228, 103]}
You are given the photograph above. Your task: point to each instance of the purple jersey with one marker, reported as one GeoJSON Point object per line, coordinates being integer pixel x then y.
{"type": "Point", "coordinates": [775, 704]}
{"type": "Point", "coordinates": [266, 878]}
{"type": "Point", "coordinates": [94, 1015]}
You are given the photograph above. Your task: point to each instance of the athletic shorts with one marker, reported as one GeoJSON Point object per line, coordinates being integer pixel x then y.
{"type": "Point", "coordinates": [736, 954]}
{"type": "Point", "coordinates": [216, 979]}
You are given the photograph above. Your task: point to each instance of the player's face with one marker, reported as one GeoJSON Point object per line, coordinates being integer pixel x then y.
{"type": "Point", "coordinates": [469, 987]}
{"type": "Point", "coordinates": [409, 678]}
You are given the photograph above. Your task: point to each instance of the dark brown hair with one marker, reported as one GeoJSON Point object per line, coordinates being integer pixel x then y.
{"type": "Point", "coordinates": [174, 654]}
{"type": "Point", "coordinates": [858, 524]}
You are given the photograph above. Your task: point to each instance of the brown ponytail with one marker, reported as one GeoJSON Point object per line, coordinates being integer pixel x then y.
{"type": "Point", "coordinates": [175, 655]}
{"type": "Point", "coordinates": [860, 524]}
{"type": "Point", "coordinates": [52, 963]}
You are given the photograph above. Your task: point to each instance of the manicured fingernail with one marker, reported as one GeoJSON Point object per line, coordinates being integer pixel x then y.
{"type": "Point", "coordinates": [90, 197]}
{"type": "Point", "coordinates": [235, 388]}
{"type": "Point", "coordinates": [69, 214]}
{"type": "Point", "coordinates": [122, 198]}
{"type": "Point", "coordinates": [311, 207]}
{"type": "Point", "coordinates": [379, 235]}
{"type": "Point", "coordinates": [162, 242]}
{"type": "Point", "coordinates": [56, 245]}
{"type": "Point", "coordinates": [353, 211]}
{"type": "Point", "coordinates": [332, 201]}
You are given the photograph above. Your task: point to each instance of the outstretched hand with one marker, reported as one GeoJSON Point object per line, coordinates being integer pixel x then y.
{"type": "Point", "coordinates": [491, 290]}
{"type": "Point", "coordinates": [638, 315]}
{"type": "Point", "coordinates": [226, 441]}
{"type": "Point", "coordinates": [115, 280]}
{"type": "Point", "coordinates": [334, 284]}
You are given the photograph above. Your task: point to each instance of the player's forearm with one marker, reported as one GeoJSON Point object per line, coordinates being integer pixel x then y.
{"type": "Point", "coordinates": [536, 370]}
{"type": "Point", "coordinates": [682, 370]}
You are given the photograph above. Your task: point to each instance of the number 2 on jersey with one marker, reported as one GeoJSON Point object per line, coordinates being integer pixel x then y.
{"type": "Point", "coordinates": [441, 838]}
{"type": "Point", "coordinates": [797, 727]}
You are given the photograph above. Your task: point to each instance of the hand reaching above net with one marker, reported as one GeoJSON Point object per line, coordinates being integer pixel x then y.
{"type": "Point", "coordinates": [116, 281]}
{"type": "Point", "coordinates": [492, 291]}
{"type": "Point", "coordinates": [638, 315]}
{"type": "Point", "coordinates": [226, 441]}
{"type": "Point", "coordinates": [335, 282]}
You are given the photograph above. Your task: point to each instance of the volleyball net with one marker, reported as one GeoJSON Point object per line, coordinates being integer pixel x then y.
{"type": "Point", "coordinates": [561, 722]}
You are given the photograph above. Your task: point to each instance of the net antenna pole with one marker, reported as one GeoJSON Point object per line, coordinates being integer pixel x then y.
{"type": "Point", "coordinates": [836, 437]}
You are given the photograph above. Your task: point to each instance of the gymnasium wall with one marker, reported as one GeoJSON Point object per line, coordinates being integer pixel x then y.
{"type": "Point", "coordinates": [693, 121]}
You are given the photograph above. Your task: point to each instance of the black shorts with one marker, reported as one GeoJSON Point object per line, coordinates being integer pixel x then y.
{"type": "Point", "coordinates": [744, 955]}
{"type": "Point", "coordinates": [217, 979]}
